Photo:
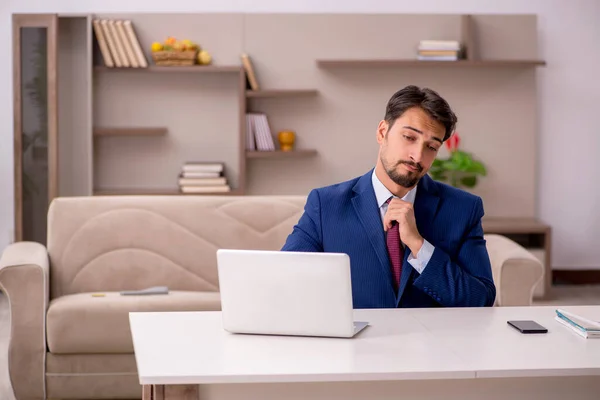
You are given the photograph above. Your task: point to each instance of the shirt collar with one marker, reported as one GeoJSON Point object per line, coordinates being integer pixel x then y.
{"type": "Point", "coordinates": [382, 193]}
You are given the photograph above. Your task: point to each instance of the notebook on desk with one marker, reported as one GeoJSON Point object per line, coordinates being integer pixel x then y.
{"type": "Point", "coordinates": [286, 293]}
{"type": "Point", "coordinates": [582, 326]}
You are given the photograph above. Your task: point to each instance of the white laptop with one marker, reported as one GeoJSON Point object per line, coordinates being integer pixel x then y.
{"type": "Point", "coordinates": [286, 293]}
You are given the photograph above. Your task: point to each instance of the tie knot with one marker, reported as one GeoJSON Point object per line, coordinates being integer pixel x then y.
{"type": "Point", "coordinates": [388, 200]}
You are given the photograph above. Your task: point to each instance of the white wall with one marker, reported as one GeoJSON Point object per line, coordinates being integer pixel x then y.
{"type": "Point", "coordinates": [569, 97]}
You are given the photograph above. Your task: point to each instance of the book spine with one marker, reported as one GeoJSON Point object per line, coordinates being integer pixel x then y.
{"type": "Point", "coordinates": [111, 43]}
{"type": "Point", "coordinates": [102, 43]}
{"type": "Point", "coordinates": [126, 44]}
{"type": "Point", "coordinates": [118, 44]}
{"type": "Point", "coordinates": [135, 43]}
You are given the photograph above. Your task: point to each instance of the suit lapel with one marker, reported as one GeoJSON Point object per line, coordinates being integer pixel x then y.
{"type": "Point", "coordinates": [365, 205]}
{"type": "Point", "coordinates": [425, 208]}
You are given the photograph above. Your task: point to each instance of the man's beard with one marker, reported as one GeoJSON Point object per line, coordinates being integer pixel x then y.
{"type": "Point", "coordinates": [408, 180]}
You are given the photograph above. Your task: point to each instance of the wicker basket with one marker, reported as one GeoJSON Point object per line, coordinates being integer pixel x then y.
{"type": "Point", "coordinates": [175, 57]}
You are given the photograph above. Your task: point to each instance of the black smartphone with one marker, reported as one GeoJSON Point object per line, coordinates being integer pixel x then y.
{"type": "Point", "coordinates": [528, 326]}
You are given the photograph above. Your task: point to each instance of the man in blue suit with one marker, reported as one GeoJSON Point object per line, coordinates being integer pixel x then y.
{"type": "Point", "coordinates": [412, 241]}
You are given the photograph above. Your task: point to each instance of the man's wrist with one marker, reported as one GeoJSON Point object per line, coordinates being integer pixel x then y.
{"type": "Point", "coordinates": [415, 245]}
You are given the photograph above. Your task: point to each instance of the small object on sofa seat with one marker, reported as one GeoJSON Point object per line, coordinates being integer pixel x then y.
{"type": "Point", "coordinates": [149, 291]}
{"type": "Point", "coordinates": [98, 295]}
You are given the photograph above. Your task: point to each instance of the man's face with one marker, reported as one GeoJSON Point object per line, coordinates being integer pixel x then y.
{"type": "Point", "coordinates": [407, 148]}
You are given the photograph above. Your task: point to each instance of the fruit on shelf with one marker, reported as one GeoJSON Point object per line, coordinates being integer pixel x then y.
{"type": "Point", "coordinates": [173, 44]}
{"type": "Point", "coordinates": [156, 46]}
{"type": "Point", "coordinates": [204, 57]}
{"type": "Point", "coordinates": [174, 52]}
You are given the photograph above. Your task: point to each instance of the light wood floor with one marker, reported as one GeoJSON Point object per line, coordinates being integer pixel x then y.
{"type": "Point", "coordinates": [560, 295]}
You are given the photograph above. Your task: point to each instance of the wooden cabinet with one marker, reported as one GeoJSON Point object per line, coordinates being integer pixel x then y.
{"type": "Point", "coordinates": [35, 122]}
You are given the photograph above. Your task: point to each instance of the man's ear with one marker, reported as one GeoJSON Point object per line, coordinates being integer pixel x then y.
{"type": "Point", "coordinates": [382, 129]}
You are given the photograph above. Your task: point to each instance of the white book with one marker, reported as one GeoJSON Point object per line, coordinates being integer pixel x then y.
{"type": "Point", "coordinates": [250, 136]}
{"type": "Point", "coordinates": [199, 167]}
{"type": "Point", "coordinates": [584, 322]}
{"type": "Point", "coordinates": [439, 45]}
{"type": "Point", "coordinates": [205, 189]}
{"type": "Point", "coordinates": [202, 181]}
{"type": "Point", "coordinates": [257, 129]}
{"type": "Point", "coordinates": [580, 332]}
{"type": "Point", "coordinates": [437, 58]}
{"type": "Point", "coordinates": [264, 131]}
{"type": "Point", "coordinates": [200, 174]}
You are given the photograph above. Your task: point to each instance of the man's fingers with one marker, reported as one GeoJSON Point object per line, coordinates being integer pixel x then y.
{"type": "Point", "coordinates": [396, 201]}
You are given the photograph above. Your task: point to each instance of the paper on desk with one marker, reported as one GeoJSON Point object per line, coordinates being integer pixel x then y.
{"type": "Point", "coordinates": [581, 325]}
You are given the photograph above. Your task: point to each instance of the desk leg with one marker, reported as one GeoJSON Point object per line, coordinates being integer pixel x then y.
{"type": "Point", "coordinates": [180, 392]}
{"type": "Point", "coordinates": [153, 392]}
{"type": "Point", "coordinates": [159, 392]}
{"type": "Point", "coordinates": [147, 392]}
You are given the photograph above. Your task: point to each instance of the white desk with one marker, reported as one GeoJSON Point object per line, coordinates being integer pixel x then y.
{"type": "Point", "coordinates": [423, 353]}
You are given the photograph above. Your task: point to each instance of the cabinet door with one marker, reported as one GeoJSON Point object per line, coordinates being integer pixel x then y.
{"type": "Point", "coordinates": [35, 122]}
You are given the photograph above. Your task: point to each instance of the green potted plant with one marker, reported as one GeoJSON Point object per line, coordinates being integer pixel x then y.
{"type": "Point", "coordinates": [459, 169]}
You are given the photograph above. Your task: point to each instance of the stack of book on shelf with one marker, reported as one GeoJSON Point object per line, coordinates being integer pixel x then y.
{"type": "Point", "coordinates": [119, 44]}
{"type": "Point", "coordinates": [439, 50]}
{"type": "Point", "coordinates": [258, 133]}
{"type": "Point", "coordinates": [203, 177]}
{"type": "Point", "coordinates": [578, 324]}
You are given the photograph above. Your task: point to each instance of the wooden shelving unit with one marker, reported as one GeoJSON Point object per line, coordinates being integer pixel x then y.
{"type": "Point", "coordinates": [281, 93]}
{"type": "Point", "coordinates": [90, 89]}
{"type": "Point", "coordinates": [187, 69]}
{"type": "Point", "coordinates": [282, 154]}
{"type": "Point", "coordinates": [472, 57]}
{"type": "Point", "coordinates": [139, 131]}
{"type": "Point", "coordinates": [375, 63]}
{"type": "Point", "coordinates": [277, 93]}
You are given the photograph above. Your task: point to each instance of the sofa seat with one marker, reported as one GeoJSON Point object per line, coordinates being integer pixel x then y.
{"type": "Point", "coordinates": [85, 323]}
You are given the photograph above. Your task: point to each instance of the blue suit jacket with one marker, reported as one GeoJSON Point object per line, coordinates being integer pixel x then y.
{"type": "Point", "coordinates": [344, 218]}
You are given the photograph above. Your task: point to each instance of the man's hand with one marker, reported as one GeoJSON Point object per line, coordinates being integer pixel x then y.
{"type": "Point", "coordinates": [402, 212]}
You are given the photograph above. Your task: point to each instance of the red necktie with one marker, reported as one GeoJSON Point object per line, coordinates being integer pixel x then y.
{"type": "Point", "coordinates": [395, 250]}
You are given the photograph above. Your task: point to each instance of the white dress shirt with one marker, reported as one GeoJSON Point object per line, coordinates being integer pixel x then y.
{"type": "Point", "coordinates": [382, 194]}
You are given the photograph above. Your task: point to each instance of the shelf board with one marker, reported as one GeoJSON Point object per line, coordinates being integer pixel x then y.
{"type": "Point", "coordinates": [281, 154]}
{"type": "Point", "coordinates": [157, 192]}
{"type": "Point", "coordinates": [418, 63]}
{"type": "Point", "coordinates": [137, 131]}
{"type": "Point", "coordinates": [281, 93]}
{"type": "Point", "coordinates": [174, 69]}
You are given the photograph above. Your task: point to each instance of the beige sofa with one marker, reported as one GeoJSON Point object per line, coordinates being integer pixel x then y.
{"type": "Point", "coordinates": [70, 336]}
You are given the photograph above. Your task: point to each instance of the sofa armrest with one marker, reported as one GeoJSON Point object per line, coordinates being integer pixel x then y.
{"type": "Point", "coordinates": [516, 271]}
{"type": "Point", "coordinates": [24, 276]}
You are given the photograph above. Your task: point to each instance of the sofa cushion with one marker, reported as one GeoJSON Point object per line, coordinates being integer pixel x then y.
{"type": "Point", "coordinates": [85, 323]}
{"type": "Point", "coordinates": [116, 243]}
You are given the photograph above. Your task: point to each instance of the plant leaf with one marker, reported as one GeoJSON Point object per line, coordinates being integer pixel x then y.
{"type": "Point", "coordinates": [469, 181]}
